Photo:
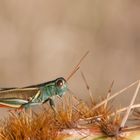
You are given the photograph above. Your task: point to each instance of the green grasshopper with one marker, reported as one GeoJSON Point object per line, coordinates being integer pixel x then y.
{"type": "Point", "coordinates": [26, 97]}
{"type": "Point", "coordinates": [29, 96]}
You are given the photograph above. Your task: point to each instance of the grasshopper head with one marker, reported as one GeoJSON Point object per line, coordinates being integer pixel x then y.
{"type": "Point", "coordinates": [61, 86]}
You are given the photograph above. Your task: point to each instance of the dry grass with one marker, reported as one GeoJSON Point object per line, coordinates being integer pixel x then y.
{"type": "Point", "coordinates": [47, 125]}
{"type": "Point", "coordinates": [25, 126]}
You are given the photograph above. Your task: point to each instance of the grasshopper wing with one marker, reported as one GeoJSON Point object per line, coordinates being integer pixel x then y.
{"type": "Point", "coordinates": [22, 93]}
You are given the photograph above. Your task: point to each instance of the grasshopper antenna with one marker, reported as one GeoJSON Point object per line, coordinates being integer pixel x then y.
{"type": "Point", "coordinates": [77, 66]}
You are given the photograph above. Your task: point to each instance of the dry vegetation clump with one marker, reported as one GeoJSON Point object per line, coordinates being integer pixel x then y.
{"type": "Point", "coordinates": [30, 126]}
{"type": "Point", "coordinates": [47, 124]}
{"type": "Point", "coordinates": [97, 121]}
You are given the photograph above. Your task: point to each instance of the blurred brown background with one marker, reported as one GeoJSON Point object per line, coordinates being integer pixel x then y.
{"type": "Point", "coordinates": [41, 40]}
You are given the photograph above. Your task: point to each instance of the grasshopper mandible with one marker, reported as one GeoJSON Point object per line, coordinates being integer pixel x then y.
{"type": "Point", "coordinates": [26, 97]}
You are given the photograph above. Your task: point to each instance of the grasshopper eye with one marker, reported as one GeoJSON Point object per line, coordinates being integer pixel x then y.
{"type": "Point", "coordinates": [59, 83]}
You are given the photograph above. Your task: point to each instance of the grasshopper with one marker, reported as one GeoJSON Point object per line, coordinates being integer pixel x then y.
{"type": "Point", "coordinates": [29, 96]}
{"type": "Point", "coordinates": [26, 97]}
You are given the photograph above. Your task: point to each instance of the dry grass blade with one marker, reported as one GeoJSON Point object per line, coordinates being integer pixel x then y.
{"type": "Point", "coordinates": [77, 66]}
{"type": "Point", "coordinates": [109, 93]}
{"type": "Point", "coordinates": [136, 114]}
{"type": "Point", "coordinates": [124, 109]}
{"type": "Point", "coordinates": [130, 106]}
{"type": "Point", "coordinates": [130, 129]}
{"type": "Point", "coordinates": [66, 117]}
{"type": "Point", "coordinates": [73, 95]}
{"type": "Point", "coordinates": [88, 88]}
{"type": "Point", "coordinates": [113, 96]}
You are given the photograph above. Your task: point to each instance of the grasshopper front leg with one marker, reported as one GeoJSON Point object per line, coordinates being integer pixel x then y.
{"type": "Point", "coordinates": [52, 104]}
